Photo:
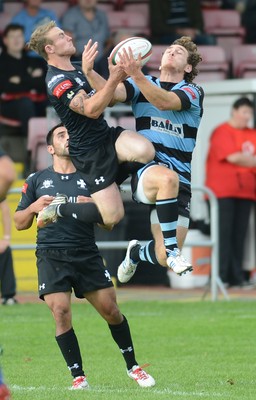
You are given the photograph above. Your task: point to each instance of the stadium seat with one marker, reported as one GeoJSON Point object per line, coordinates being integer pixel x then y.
{"type": "Point", "coordinates": [37, 131]}
{"type": "Point", "coordinates": [226, 26]}
{"type": "Point", "coordinates": [214, 65]}
{"type": "Point", "coordinates": [133, 21]}
{"type": "Point", "coordinates": [244, 61]}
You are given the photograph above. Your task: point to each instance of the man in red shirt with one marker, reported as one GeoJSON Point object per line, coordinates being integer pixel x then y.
{"type": "Point", "coordinates": [231, 175]}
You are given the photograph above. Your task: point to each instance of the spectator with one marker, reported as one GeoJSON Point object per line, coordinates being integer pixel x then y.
{"type": "Point", "coordinates": [7, 277]}
{"type": "Point", "coordinates": [22, 88]}
{"type": "Point", "coordinates": [31, 16]}
{"type": "Point", "coordinates": [231, 175]}
{"type": "Point", "coordinates": [172, 19]}
{"type": "Point", "coordinates": [85, 21]}
{"type": "Point", "coordinates": [7, 174]}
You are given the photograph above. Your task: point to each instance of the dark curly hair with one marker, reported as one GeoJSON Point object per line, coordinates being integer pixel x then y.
{"type": "Point", "coordinates": [194, 57]}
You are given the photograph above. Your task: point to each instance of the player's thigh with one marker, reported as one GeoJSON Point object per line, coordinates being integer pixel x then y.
{"type": "Point", "coordinates": [109, 202]}
{"type": "Point", "coordinates": [104, 301]}
{"type": "Point", "coordinates": [131, 146]}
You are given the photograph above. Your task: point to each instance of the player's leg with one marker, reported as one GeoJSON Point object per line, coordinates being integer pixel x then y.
{"type": "Point", "coordinates": [157, 185]}
{"type": "Point", "coordinates": [104, 301]}
{"type": "Point", "coordinates": [60, 306]}
{"type": "Point", "coordinates": [133, 147]}
{"type": "Point", "coordinates": [55, 289]}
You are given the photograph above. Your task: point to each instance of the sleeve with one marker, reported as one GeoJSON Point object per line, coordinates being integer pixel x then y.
{"type": "Point", "coordinates": [28, 193]}
{"type": "Point", "coordinates": [63, 88]}
{"type": "Point", "coordinates": [190, 95]}
{"type": "Point", "coordinates": [130, 89]}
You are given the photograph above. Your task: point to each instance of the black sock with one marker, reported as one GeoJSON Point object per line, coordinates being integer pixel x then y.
{"type": "Point", "coordinates": [86, 212]}
{"type": "Point", "coordinates": [69, 347]}
{"type": "Point", "coordinates": [147, 253]}
{"type": "Point", "coordinates": [122, 336]}
{"type": "Point", "coordinates": [167, 212]}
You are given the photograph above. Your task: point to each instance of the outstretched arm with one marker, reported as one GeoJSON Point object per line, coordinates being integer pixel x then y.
{"type": "Point", "coordinates": [95, 80]}
{"type": "Point", "coordinates": [160, 98]}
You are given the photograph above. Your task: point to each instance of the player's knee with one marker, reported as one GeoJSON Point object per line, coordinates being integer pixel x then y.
{"type": "Point", "coordinates": [114, 218]}
{"type": "Point", "coordinates": [145, 152]}
{"type": "Point", "coordinates": [61, 312]}
{"type": "Point", "coordinates": [113, 315]}
{"type": "Point", "coordinates": [169, 179]}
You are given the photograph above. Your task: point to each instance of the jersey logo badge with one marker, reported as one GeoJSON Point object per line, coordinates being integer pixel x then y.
{"type": "Point", "coordinates": [190, 91]}
{"type": "Point", "coordinates": [81, 183]}
{"type": "Point", "coordinates": [24, 188]}
{"type": "Point", "coordinates": [64, 177]}
{"type": "Point", "coordinates": [47, 184]}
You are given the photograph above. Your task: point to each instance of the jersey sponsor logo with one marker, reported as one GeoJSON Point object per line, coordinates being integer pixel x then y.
{"type": "Point", "coordinates": [166, 126]}
{"type": "Point", "coordinates": [54, 79]}
{"type": "Point", "coordinates": [24, 188]}
{"type": "Point", "coordinates": [81, 184]}
{"type": "Point", "coordinates": [47, 183]}
{"type": "Point", "coordinates": [190, 91]}
{"type": "Point", "coordinates": [79, 81]}
{"type": "Point", "coordinates": [62, 88]}
{"type": "Point", "coordinates": [100, 180]}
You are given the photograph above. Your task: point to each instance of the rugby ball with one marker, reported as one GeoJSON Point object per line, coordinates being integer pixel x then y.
{"type": "Point", "coordinates": [139, 45]}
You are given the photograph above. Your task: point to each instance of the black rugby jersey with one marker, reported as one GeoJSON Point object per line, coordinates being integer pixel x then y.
{"type": "Point", "coordinates": [84, 133]}
{"type": "Point", "coordinates": [67, 232]}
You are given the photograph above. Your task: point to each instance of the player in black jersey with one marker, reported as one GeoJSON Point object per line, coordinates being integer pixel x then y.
{"type": "Point", "coordinates": [95, 148]}
{"type": "Point", "coordinates": [68, 258]}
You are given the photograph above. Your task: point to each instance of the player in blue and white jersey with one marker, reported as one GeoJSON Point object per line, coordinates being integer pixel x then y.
{"type": "Point", "coordinates": [95, 148]}
{"type": "Point", "coordinates": [168, 111]}
{"type": "Point", "coordinates": [68, 260]}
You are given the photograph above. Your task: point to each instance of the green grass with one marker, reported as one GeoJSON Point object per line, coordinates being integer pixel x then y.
{"type": "Point", "coordinates": [196, 350]}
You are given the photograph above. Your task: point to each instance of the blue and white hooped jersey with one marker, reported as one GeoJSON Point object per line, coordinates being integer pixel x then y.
{"type": "Point", "coordinates": [173, 133]}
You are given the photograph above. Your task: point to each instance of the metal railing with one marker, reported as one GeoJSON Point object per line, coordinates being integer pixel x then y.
{"type": "Point", "coordinates": [212, 242]}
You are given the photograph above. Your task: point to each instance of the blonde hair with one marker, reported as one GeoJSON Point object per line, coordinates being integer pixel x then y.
{"type": "Point", "coordinates": [39, 39]}
{"type": "Point", "coordinates": [193, 56]}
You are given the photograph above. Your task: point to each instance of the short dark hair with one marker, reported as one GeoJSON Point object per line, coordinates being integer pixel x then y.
{"type": "Point", "coordinates": [49, 136]}
{"type": "Point", "coordinates": [242, 101]}
{"type": "Point", "coordinates": [12, 27]}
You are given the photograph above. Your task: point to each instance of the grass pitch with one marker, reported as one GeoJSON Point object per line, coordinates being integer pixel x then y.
{"type": "Point", "coordinates": [196, 350]}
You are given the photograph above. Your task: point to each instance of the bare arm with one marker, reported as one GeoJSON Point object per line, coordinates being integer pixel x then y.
{"type": "Point", "coordinates": [23, 219]}
{"type": "Point", "coordinates": [242, 159]}
{"type": "Point", "coordinates": [160, 98]}
{"type": "Point", "coordinates": [95, 80]}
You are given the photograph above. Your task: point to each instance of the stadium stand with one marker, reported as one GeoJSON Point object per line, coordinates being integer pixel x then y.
{"type": "Point", "coordinates": [244, 61]}
{"type": "Point", "coordinates": [226, 26]}
{"type": "Point", "coordinates": [37, 130]}
{"type": "Point", "coordinates": [214, 65]}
